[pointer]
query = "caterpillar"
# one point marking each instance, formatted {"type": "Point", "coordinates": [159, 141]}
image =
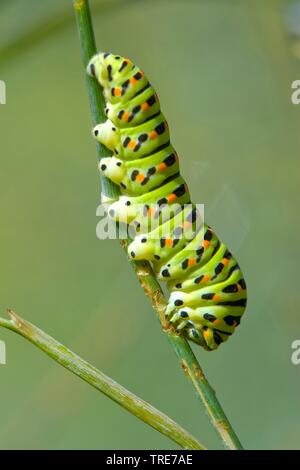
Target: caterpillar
{"type": "Point", "coordinates": [207, 288]}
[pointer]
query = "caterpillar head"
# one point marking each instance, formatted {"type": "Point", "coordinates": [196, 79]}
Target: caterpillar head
{"type": "Point", "coordinates": [113, 168]}
{"type": "Point", "coordinates": [107, 134]}
{"type": "Point", "coordinates": [141, 248]}
{"type": "Point", "coordinates": [105, 66]}
{"type": "Point", "coordinates": [123, 210]}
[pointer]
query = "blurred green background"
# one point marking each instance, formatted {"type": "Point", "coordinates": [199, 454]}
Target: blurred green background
{"type": "Point", "coordinates": [223, 70]}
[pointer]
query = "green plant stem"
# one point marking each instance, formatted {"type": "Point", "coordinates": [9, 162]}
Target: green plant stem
{"type": "Point", "coordinates": [101, 382]}
{"type": "Point", "coordinates": [143, 270]}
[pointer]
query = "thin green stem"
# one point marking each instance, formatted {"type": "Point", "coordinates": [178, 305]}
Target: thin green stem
{"type": "Point", "coordinates": [96, 100]}
{"type": "Point", "coordinates": [143, 270]}
{"type": "Point", "coordinates": [78, 366]}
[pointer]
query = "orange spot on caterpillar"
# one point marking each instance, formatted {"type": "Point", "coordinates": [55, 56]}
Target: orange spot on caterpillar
{"type": "Point", "coordinates": [216, 297]}
{"type": "Point", "coordinates": [153, 135]}
{"type": "Point", "coordinates": [118, 91]}
{"type": "Point", "coordinates": [205, 278]}
{"type": "Point", "coordinates": [192, 262]}
{"type": "Point", "coordinates": [145, 106]}
{"type": "Point", "coordinates": [169, 242]}
{"type": "Point", "coordinates": [151, 211]}
{"type": "Point", "coordinates": [125, 116]}
{"type": "Point", "coordinates": [187, 224]}
{"type": "Point", "coordinates": [206, 243]}
{"type": "Point", "coordinates": [161, 167]}
{"type": "Point", "coordinates": [132, 144]}
{"type": "Point", "coordinates": [225, 261]}
{"type": "Point", "coordinates": [133, 80]}
{"type": "Point", "coordinates": [140, 177]}
{"type": "Point", "coordinates": [172, 197]}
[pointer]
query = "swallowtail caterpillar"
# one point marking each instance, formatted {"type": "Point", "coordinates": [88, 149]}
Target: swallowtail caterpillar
{"type": "Point", "coordinates": [207, 289]}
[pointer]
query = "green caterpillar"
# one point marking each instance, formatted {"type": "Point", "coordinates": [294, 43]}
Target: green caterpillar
{"type": "Point", "coordinates": [207, 288]}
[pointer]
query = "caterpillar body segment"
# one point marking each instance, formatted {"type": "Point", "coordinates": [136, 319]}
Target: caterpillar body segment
{"type": "Point", "coordinates": [207, 288]}
{"type": "Point", "coordinates": [134, 142]}
{"type": "Point", "coordinates": [167, 239]}
{"type": "Point", "coordinates": [206, 274]}
{"type": "Point", "coordinates": [153, 207]}
{"type": "Point", "coordinates": [194, 255]}
{"type": "Point", "coordinates": [136, 111]}
{"type": "Point", "coordinates": [138, 177]}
